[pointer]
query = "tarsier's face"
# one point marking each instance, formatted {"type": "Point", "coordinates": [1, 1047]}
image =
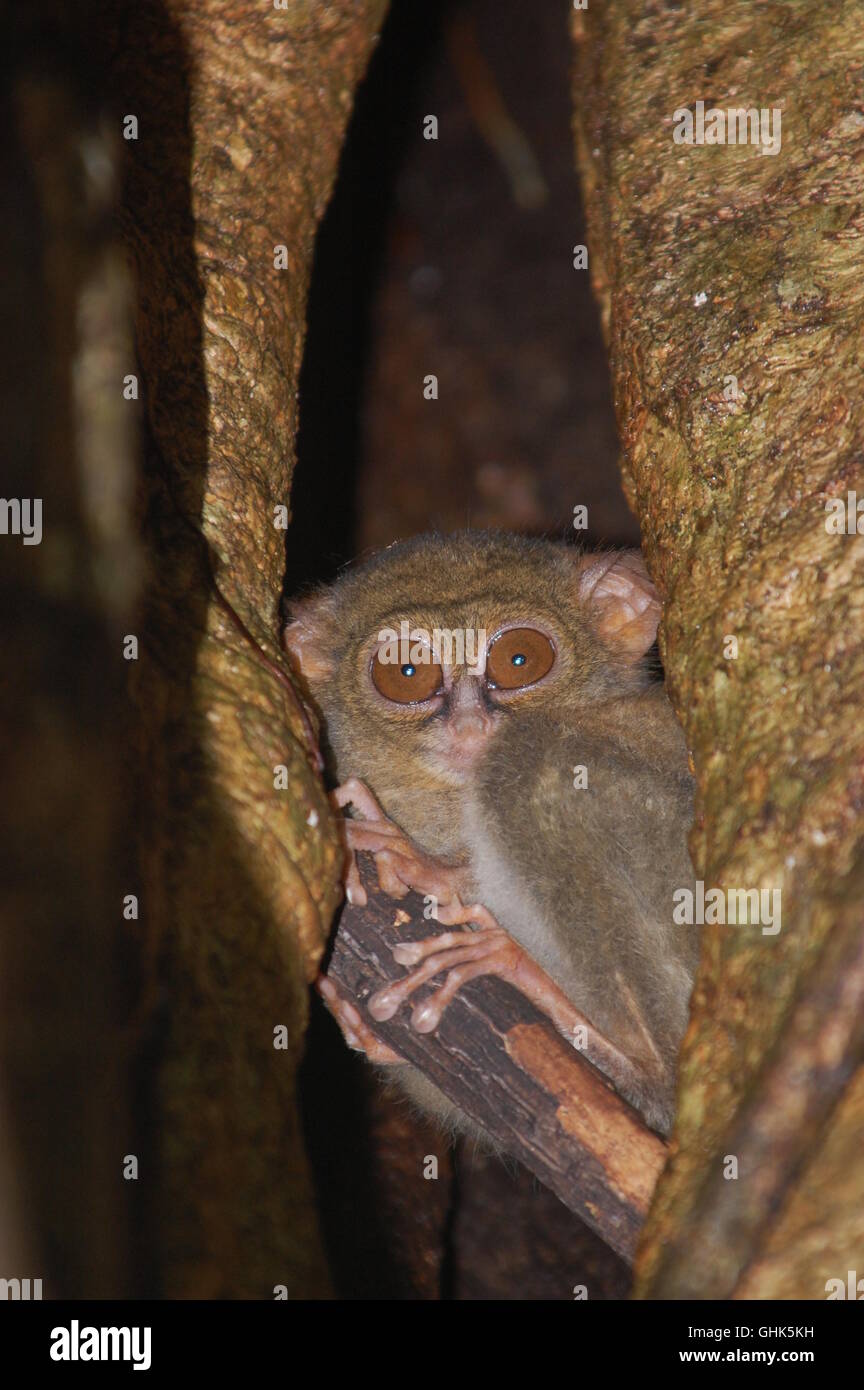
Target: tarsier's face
{"type": "Point", "coordinates": [453, 682]}
{"type": "Point", "coordinates": [419, 657]}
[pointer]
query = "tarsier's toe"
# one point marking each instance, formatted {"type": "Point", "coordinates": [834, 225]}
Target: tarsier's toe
{"type": "Point", "coordinates": [432, 957]}
{"type": "Point", "coordinates": [356, 1032]}
{"type": "Point", "coordinates": [388, 875]}
{"type": "Point", "coordinates": [413, 952]}
{"type": "Point", "coordinates": [383, 1005]}
{"type": "Point", "coordinates": [408, 953]}
{"type": "Point", "coordinates": [355, 893]}
{"type": "Point", "coordinates": [426, 1016]}
{"type": "Point", "coordinates": [458, 956]}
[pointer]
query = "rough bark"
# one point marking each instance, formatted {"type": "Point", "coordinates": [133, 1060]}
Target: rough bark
{"type": "Point", "coordinates": [241, 111]}
{"type": "Point", "coordinates": [714, 262]}
{"type": "Point", "coordinates": [504, 1065]}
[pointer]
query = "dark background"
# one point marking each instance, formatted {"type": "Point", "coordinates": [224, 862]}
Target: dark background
{"type": "Point", "coordinates": [428, 261]}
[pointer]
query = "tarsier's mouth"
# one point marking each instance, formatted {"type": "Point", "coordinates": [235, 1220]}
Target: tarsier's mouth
{"type": "Point", "coordinates": [456, 750]}
{"type": "Point", "coordinates": [460, 758]}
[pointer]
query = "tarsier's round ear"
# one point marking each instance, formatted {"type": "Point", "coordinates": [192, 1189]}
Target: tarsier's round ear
{"type": "Point", "coordinates": [624, 603]}
{"type": "Point", "coordinates": [307, 635]}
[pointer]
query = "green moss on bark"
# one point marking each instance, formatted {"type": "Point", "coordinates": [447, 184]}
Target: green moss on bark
{"type": "Point", "coordinates": [713, 263]}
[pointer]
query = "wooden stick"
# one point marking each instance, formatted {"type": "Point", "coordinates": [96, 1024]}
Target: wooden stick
{"type": "Point", "coordinates": [506, 1067]}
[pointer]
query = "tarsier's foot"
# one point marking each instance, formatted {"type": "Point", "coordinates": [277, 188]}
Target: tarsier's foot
{"type": "Point", "coordinates": [460, 956]}
{"type": "Point", "coordinates": [356, 1032]}
{"type": "Point", "coordinates": [489, 950]}
{"type": "Point", "coordinates": [401, 865]}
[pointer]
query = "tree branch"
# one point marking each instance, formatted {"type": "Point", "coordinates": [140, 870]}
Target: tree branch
{"type": "Point", "coordinates": [505, 1066]}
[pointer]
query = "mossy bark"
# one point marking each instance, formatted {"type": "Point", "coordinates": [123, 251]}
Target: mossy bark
{"type": "Point", "coordinates": [733, 302]}
{"type": "Point", "coordinates": [240, 115]}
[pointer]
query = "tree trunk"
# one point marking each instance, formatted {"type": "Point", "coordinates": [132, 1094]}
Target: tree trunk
{"type": "Point", "coordinates": [240, 114]}
{"type": "Point", "coordinates": [731, 292]}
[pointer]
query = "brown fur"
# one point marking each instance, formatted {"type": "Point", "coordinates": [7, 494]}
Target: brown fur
{"type": "Point", "coordinates": [583, 878]}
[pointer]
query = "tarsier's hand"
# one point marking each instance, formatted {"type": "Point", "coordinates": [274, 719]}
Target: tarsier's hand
{"type": "Point", "coordinates": [402, 866]}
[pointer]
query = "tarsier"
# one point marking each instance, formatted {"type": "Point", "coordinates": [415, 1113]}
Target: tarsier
{"type": "Point", "coordinates": [538, 789]}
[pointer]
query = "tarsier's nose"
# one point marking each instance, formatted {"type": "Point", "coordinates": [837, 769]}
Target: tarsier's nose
{"type": "Point", "coordinates": [471, 720]}
{"type": "Point", "coordinates": [470, 723]}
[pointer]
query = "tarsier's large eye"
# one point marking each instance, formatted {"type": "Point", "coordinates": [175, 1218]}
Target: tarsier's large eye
{"type": "Point", "coordinates": [520, 656]}
{"type": "Point", "coordinates": [406, 682]}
